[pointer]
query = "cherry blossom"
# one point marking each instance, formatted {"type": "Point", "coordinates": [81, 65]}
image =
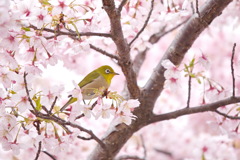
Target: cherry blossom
{"type": "Point", "coordinates": [21, 101]}
{"type": "Point", "coordinates": [6, 77]}
{"type": "Point", "coordinates": [60, 6]}
{"type": "Point", "coordinates": [104, 111]}
{"type": "Point", "coordinates": [40, 18]}
{"type": "Point", "coordinates": [172, 75]}
{"type": "Point", "coordinates": [203, 60]}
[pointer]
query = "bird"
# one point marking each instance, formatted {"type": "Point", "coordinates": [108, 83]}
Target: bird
{"type": "Point", "coordinates": [95, 80]}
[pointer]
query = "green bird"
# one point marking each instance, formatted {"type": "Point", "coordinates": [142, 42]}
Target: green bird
{"type": "Point", "coordinates": [99, 78]}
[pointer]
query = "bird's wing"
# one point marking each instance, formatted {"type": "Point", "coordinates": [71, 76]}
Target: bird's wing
{"type": "Point", "coordinates": [88, 79]}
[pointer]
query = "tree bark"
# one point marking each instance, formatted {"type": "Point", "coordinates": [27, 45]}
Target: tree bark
{"type": "Point", "coordinates": [116, 137]}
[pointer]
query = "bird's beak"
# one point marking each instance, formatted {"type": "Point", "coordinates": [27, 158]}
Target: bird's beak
{"type": "Point", "coordinates": [115, 73]}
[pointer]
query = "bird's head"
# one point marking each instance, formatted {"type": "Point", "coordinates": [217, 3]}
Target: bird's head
{"type": "Point", "coordinates": [107, 72]}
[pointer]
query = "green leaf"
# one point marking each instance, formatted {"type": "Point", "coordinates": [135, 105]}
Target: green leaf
{"type": "Point", "coordinates": [192, 75]}
{"type": "Point", "coordinates": [12, 92]}
{"type": "Point", "coordinates": [25, 28]}
{"type": "Point", "coordinates": [44, 2]}
{"type": "Point", "coordinates": [37, 101]}
{"type": "Point", "coordinates": [199, 80]}
{"type": "Point", "coordinates": [191, 65]}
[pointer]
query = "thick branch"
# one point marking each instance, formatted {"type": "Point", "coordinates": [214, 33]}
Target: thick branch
{"type": "Point", "coordinates": [122, 46]}
{"type": "Point", "coordinates": [115, 139]}
{"type": "Point", "coordinates": [186, 111]}
{"type": "Point", "coordinates": [181, 44]}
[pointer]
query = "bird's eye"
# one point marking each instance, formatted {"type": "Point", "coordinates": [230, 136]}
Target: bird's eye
{"type": "Point", "coordinates": [107, 71]}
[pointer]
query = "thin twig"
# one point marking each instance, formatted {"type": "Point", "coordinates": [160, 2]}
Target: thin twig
{"type": "Point", "coordinates": [120, 7]}
{"type": "Point", "coordinates": [197, 9]}
{"type": "Point", "coordinates": [100, 142]}
{"type": "Point", "coordinates": [39, 150]}
{"type": "Point", "coordinates": [104, 52]}
{"type": "Point", "coordinates": [189, 90]}
{"type": "Point", "coordinates": [232, 68]}
{"type": "Point", "coordinates": [53, 104]}
{"type": "Point", "coordinates": [192, 6]}
{"type": "Point", "coordinates": [167, 153]}
{"type": "Point", "coordinates": [58, 120]}
{"type": "Point", "coordinates": [157, 36]}
{"type": "Point", "coordinates": [57, 33]}
{"type": "Point", "coordinates": [84, 138]}
{"type": "Point", "coordinates": [50, 155]}
{"type": "Point", "coordinates": [145, 23]}
{"type": "Point", "coordinates": [227, 116]}
{"type": "Point", "coordinates": [27, 91]}
{"type": "Point", "coordinates": [67, 123]}
{"type": "Point", "coordinates": [37, 125]}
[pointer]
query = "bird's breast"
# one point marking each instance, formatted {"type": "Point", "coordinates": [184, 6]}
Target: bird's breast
{"type": "Point", "coordinates": [88, 91]}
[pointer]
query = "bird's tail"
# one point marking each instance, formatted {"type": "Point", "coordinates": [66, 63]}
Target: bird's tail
{"type": "Point", "coordinates": [70, 101]}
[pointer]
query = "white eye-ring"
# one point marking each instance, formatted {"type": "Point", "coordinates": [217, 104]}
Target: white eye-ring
{"type": "Point", "coordinates": [107, 71]}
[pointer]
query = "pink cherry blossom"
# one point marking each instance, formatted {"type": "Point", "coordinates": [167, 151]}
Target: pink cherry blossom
{"type": "Point", "coordinates": [21, 101]}
{"type": "Point", "coordinates": [171, 69]}
{"type": "Point", "coordinates": [172, 75]}
{"type": "Point", "coordinates": [10, 41]}
{"type": "Point", "coordinates": [203, 60]}
{"type": "Point", "coordinates": [6, 77]}
{"type": "Point", "coordinates": [103, 111]}
{"type": "Point", "coordinates": [40, 18]}
{"type": "Point", "coordinates": [60, 6]}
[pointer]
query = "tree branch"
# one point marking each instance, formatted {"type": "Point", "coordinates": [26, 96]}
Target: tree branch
{"type": "Point", "coordinates": [93, 136]}
{"type": "Point", "coordinates": [140, 57]}
{"type": "Point", "coordinates": [72, 33]}
{"type": "Point", "coordinates": [53, 104]}
{"type": "Point", "coordinates": [232, 69]}
{"type": "Point", "coordinates": [120, 7]}
{"type": "Point", "coordinates": [122, 47]}
{"type": "Point", "coordinates": [27, 92]}
{"type": "Point", "coordinates": [183, 41]}
{"type": "Point", "coordinates": [187, 111]}
{"type": "Point", "coordinates": [117, 137]}
{"type": "Point", "coordinates": [104, 52]}
{"type": "Point", "coordinates": [39, 150]}
{"type": "Point", "coordinates": [169, 154]}
{"type": "Point", "coordinates": [189, 91]}
{"type": "Point", "coordinates": [145, 23]}
{"type": "Point", "coordinates": [58, 120]}
{"type": "Point", "coordinates": [227, 116]}
{"type": "Point", "coordinates": [37, 125]}
{"type": "Point", "coordinates": [50, 155]}
{"type": "Point", "coordinates": [157, 36]}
